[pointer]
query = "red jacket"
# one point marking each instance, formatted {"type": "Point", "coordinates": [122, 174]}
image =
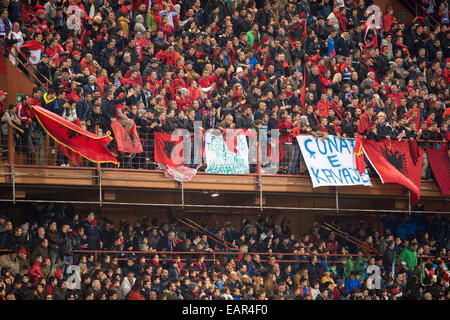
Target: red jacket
{"type": "Point", "coordinates": [365, 121]}
{"type": "Point", "coordinates": [323, 108]}
{"type": "Point", "coordinates": [24, 113]}
{"type": "Point", "coordinates": [336, 293]}
{"type": "Point", "coordinates": [397, 97]}
{"type": "Point", "coordinates": [36, 272]}
{"type": "Point", "coordinates": [182, 104]}
{"type": "Point", "coordinates": [283, 126]}
{"type": "Point", "coordinates": [35, 102]}
{"type": "Point", "coordinates": [84, 63]}
{"type": "Point", "coordinates": [194, 94]}
{"type": "Point", "coordinates": [388, 20]}
{"type": "Point", "coordinates": [135, 295]}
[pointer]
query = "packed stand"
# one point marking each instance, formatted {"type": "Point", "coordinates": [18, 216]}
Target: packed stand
{"type": "Point", "coordinates": [267, 262]}
{"type": "Point", "coordinates": [230, 64]}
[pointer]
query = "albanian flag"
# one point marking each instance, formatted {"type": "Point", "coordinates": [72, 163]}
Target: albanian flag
{"type": "Point", "coordinates": [440, 164]}
{"type": "Point", "coordinates": [393, 162]}
{"type": "Point", "coordinates": [359, 155]}
{"type": "Point", "coordinates": [69, 135]}
{"type": "Point", "coordinates": [297, 30]}
{"type": "Point", "coordinates": [73, 156]}
{"type": "Point", "coordinates": [127, 141]}
{"type": "Point", "coordinates": [169, 149]}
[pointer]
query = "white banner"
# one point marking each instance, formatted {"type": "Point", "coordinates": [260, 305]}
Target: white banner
{"type": "Point", "coordinates": [220, 160]}
{"type": "Point", "coordinates": [331, 162]}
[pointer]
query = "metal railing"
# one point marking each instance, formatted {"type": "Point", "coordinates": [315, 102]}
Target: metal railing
{"type": "Point", "coordinates": [30, 70]}
{"type": "Point", "coordinates": [415, 7]}
{"type": "Point", "coordinates": [38, 149]}
{"type": "Point", "coordinates": [212, 256]}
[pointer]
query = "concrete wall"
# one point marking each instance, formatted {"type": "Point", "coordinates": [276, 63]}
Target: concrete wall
{"type": "Point", "coordinates": [14, 81]}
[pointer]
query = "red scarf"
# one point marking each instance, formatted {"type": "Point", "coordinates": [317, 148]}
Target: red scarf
{"type": "Point", "coordinates": [137, 45]}
{"type": "Point", "coordinates": [195, 293]}
{"type": "Point", "coordinates": [32, 45]}
{"type": "Point", "coordinates": [404, 47]}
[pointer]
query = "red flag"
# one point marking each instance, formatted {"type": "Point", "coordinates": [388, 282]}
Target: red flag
{"type": "Point", "coordinates": [127, 141]}
{"type": "Point", "coordinates": [440, 164]}
{"type": "Point", "coordinates": [302, 96]}
{"type": "Point", "coordinates": [414, 150]}
{"type": "Point", "coordinates": [32, 45]}
{"type": "Point", "coordinates": [73, 156]}
{"type": "Point", "coordinates": [313, 59]}
{"type": "Point", "coordinates": [394, 164]}
{"type": "Point", "coordinates": [333, 53]}
{"type": "Point", "coordinates": [169, 149]}
{"type": "Point", "coordinates": [232, 142]}
{"type": "Point", "coordinates": [68, 134]}
{"type": "Point", "coordinates": [359, 155]}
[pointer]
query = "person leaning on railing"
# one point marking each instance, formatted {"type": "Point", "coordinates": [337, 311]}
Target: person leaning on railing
{"type": "Point", "coordinates": [10, 119]}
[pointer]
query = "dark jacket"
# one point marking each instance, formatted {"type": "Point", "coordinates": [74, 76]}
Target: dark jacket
{"type": "Point", "coordinates": [84, 110]}
{"type": "Point", "coordinates": [171, 123]}
{"type": "Point", "coordinates": [191, 296]}
{"type": "Point", "coordinates": [388, 259]}
{"type": "Point", "coordinates": [313, 272]}
{"type": "Point", "coordinates": [69, 242]}
{"type": "Point", "coordinates": [244, 122]}
{"type": "Point", "coordinates": [54, 241]}
{"type": "Point", "coordinates": [108, 110]}
{"type": "Point", "coordinates": [39, 251]}
{"type": "Point", "coordinates": [207, 122]}
{"type": "Point", "coordinates": [93, 235]}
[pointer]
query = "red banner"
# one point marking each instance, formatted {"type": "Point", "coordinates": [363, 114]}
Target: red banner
{"type": "Point", "coordinates": [393, 162]}
{"type": "Point", "coordinates": [68, 134]}
{"type": "Point", "coordinates": [440, 164]}
{"type": "Point", "coordinates": [169, 149]}
{"type": "Point", "coordinates": [73, 156]}
{"type": "Point", "coordinates": [127, 141]}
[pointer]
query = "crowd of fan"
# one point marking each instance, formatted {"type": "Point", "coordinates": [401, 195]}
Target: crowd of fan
{"type": "Point", "coordinates": [231, 64]}
{"type": "Point", "coordinates": [412, 259]}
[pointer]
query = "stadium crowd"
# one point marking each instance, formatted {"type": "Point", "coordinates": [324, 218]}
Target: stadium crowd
{"type": "Point", "coordinates": [302, 67]}
{"type": "Point", "coordinates": [42, 247]}
{"type": "Point", "coordinates": [229, 64]}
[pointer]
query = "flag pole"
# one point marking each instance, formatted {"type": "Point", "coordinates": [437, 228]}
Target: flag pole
{"type": "Point", "coordinates": [337, 200]}
{"type": "Point", "coordinates": [258, 171]}
{"type": "Point", "coordinates": [409, 201]}
{"type": "Point", "coordinates": [182, 193]}
{"type": "Point", "coordinates": [393, 266]}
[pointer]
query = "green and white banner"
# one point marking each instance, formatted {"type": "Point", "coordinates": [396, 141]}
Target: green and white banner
{"type": "Point", "coordinates": [220, 160]}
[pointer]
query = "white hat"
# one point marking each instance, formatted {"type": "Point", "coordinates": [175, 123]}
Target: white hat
{"type": "Point", "coordinates": [239, 69]}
